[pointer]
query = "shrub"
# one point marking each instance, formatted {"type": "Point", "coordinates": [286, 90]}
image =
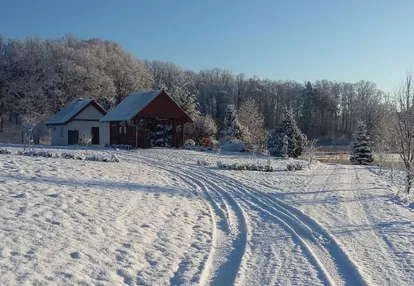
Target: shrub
{"type": "Point", "coordinates": [115, 158]}
{"type": "Point", "coordinates": [203, 163]}
{"type": "Point", "coordinates": [5, 152]}
{"type": "Point", "coordinates": [66, 155]}
{"type": "Point", "coordinates": [208, 142]}
{"type": "Point", "coordinates": [234, 146]}
{"type": "Point", "coordinates": [189, 142]}
{"type": "Point", "coordinates": [201, 128]}
{"type": "Point", "coordinates": [294, 167]}
{"type": "Point", "coordinates": [245, 167]}
{"type": "Point", "coordinates": [44, 154]}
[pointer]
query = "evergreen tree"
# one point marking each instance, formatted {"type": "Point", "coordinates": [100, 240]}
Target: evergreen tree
{"type": "Point", "coordinates": [232, 129]}
{"type": "Point", "coordinates": [361, 152]}
{"type": "Point", "coordinates": [296, 139]}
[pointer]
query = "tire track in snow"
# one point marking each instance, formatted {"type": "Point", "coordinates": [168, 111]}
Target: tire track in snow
{"type": "Point", "coordinates": [332, 263]}
{"type": "Point", "coordinates": [227, 251]}
{"type": "Point", "coordinates": [225, 273]}
{"type": "Point", "coordinates": [323, 250]}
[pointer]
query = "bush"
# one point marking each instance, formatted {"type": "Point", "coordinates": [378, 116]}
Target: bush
{"type": "Point", "coordinates": [203, 163]}
{"type": "Point", "coordinates": [234, 146]}
{"type": "Point", "coordinates": [245, 167]}
{"type": "Point", "coordinates": [115, 158]}
{"type": "Point", "coordinates": [5, 152]}
{"type": "Point", "coordinates": [122, 146]}
{"type": "Point", "coordinates": [294, 167]}
{"type": "Point", "coordinates": [189, 142]}
{"type": "Point", "coordinates": [66, 155]}
{"type": "Point", "coordinates": [201, 128]}
{"type": "Point", "coordinates": [208, 142]}
{"type": "Point", "coordinates": [44, 154]}
{"type": "Point", "coordinates": [96, 158]}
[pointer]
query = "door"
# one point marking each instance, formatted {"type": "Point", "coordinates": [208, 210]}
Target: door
{"type": "Point", "coordinates": [95, 135]}
{"type": "Point", "coordinates": [143, 141]}
{"type": "Point", "coordinates": [73, 137]}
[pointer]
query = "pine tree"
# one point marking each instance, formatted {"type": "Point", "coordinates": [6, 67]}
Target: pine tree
{"type": "Point", "coordinates": [232, 129]}
{"type": "Point", "coordinates": [296, 139]}
{"type": "Point", "coordinates": [361, 152]}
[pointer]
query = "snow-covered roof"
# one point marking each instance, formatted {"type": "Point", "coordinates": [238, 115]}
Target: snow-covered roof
{"type": "Point", "coordinates": [70, 111]}
{"type": "Point", "coordinates": [131, 105]}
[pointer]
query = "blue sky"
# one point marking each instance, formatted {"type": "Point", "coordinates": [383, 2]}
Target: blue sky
{"type": "Point", "coordinates": [347, 40]}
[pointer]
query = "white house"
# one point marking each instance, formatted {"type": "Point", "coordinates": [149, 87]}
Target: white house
{"type": "Point", "coordinates": [78, 120]}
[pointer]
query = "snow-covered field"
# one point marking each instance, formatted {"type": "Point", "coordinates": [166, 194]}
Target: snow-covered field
{"type": "Point", "coordinates": [158, 218]}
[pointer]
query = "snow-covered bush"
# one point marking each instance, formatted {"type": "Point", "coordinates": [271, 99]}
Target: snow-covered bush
{"type": "Point", "coordinates": [122, 146]}
{"type": "Point", "coordinates": [245, 167]}
{"type": "Point", "coordinates": [287, 138]}
{"type": "Point", "coordinates": [361, 152]}
{"type": "Point", "coordinates": [32, 153]}
{"type": "Point", "coordinates": [115, 158]}
{"type": "Point", "coordinates": [294, 167]}
{"type": "Point", "coordinates": [96, 158]}
{"type": "Point", "coordinates": [203, 163]}
{"type": "Point", "coordinates": [5, 152]}
{"type": "Point", "coordinates": [234, 146]}
{"type": "Point", "coordinates": [202, 127]}
{"type": "Point", "coordinates": [189, 142]}
{"type": "Point", "coordinates": [67, 155]}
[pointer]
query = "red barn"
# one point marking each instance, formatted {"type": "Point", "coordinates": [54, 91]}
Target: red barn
{"type": "Point", "coordinates": [147, 119]}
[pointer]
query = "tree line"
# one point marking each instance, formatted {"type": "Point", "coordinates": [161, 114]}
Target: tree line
{"type": "Point", "coordinates": [38, 77]}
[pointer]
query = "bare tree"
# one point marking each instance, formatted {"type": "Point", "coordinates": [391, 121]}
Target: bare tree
{"type": "Point", "coordinates": [86, 140]}
{"type": "Point", "coordinates": [30, 120]}
{"type": "Point", "coordinates": [404, 125]}
{"type": "Point", "coordinates": [311, 149]}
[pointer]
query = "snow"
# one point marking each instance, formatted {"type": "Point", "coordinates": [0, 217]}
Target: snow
{"type": "Point", "coordinates": [131, 105]}
{"type": "Point", "coordinates": [159, 218]}
{"type": "Point", "coordinates": [68, 112]}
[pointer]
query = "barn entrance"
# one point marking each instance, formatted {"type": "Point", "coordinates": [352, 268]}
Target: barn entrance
{"type": "Point", "coordinates": [73, 137]}
{"type": "Point", "coordinates": [160, 132]}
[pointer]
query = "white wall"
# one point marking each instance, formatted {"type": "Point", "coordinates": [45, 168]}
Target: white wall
{"type": "Point", "coordinates": [85, 127]}
{"type": "Point", "coordinates": [90, 113]}
{"type": "Point", "coordinates": [59, 135]}
{"type": "Point", "coordinates": [83, 122]}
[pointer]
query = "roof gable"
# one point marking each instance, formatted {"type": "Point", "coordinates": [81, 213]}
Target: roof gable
{"type": "Point", "coordinates": [163, 106]}
{"type": "Point", "coordinates": [136, 104]}
{"type": "Point", "coordinates": [72, 110]}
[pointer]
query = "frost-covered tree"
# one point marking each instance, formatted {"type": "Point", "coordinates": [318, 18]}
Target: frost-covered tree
{"type": "Point", "coordinates": [177, 82]}
{"type": "Point", "coordinates": [361, 151]}
{"type": "Point", "coordinates": [287, 130]}
{"type": "Point", "coordinates": [404, 126]}
{"type": "Point", "coordinates": [251, 118]}
{"type": "Point", "coordinates": [232, 128]}
{"type": "Point", "coordinates": [203, 128]}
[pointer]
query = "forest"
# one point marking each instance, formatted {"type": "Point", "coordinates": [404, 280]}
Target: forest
{"type": "Point", "coordinates": [38, 77]}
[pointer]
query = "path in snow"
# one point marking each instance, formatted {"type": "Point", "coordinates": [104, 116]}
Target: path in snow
{"type": "Point", "coordinates": [356, 208]}
{"type": "Point", "coordinates": [227, 196]}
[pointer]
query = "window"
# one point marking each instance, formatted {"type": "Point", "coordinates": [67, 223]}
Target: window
{"type": "Point", "coordinates": [141, 124]}
{"type": "Point", "coordinates": [61, 132]}
{"type": "Point", "coordinates": [122, 130]}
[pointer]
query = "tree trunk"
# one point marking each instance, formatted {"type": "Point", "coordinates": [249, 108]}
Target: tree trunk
{"type": "Point", "coordinates": [409, 180]}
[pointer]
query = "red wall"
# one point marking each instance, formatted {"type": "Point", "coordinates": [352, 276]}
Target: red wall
{"type": "Point", "coordinates": [163, 106]}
